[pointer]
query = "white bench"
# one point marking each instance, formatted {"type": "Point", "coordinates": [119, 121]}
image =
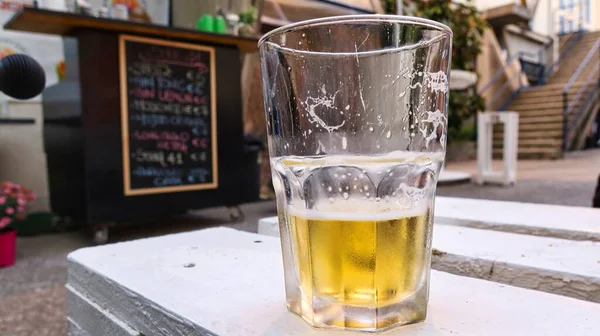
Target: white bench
{"type": "Point", "coordinates": [577, 223]}
{"type": "Point", "coordinates": [560, 266]}
{"type": "Point", "coordinates": [86, 318]}
{"type": "Point", "coordinates": [226, 282]}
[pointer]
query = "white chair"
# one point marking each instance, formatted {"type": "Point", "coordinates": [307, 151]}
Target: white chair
{"type": "Point", "coordinates": [485, 123]}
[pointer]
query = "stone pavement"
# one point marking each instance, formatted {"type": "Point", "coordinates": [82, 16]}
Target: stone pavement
{"type": "Point", "coordinates": [32, 295]}
{"type": "Point", "coordinates": [576, 166]}
{"type": "Point", "coordinates": [570, 181]}
{"type": "Point", "coordinates": [573, 193]}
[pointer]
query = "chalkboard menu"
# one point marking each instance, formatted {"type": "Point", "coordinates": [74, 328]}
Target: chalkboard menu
{"type": "Point", "coordinates": [168, 116]}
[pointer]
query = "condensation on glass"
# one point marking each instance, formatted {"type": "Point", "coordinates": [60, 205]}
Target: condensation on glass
{"type": "Point", "coordinates": [356, 111]}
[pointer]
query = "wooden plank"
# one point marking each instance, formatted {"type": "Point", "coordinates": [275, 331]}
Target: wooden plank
{"type": "Point", "coordinates": [235, 287]}
{"type": "Point", "coordinates": [89, 317]}
{"type": "Point", "coordinates": [35, 20]}
{"type": "Point", "coordinates": [558, 266]}
{"type": "Point", "coordinates": [73, 329]}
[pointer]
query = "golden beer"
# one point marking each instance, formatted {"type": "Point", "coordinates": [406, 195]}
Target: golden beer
{"type": "Point", "coordinates": [372, 261]}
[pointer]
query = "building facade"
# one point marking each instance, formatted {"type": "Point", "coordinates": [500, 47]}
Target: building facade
{"type": "Point", "coordinates": [565, 16]}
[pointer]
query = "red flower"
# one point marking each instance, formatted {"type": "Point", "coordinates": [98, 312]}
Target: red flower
{"type": "Point", "coordinates": [13, 202]}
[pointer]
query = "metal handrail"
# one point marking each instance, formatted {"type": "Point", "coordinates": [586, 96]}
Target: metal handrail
{"type": "Point", "coordinates": [580, 92]}
{"type": "Point", "coordinates": [505, 86]}
{"type": "Point", "coordinates": [497, 75]}
{"type": "Point", "coordinates": [568, 107]}
{"type": "Point", "coordinates": [510, 61]}
{"type": "Point", "coordinates": [562, 54]}
{"type": "Point", "coordinates": [581, 66]}
{"type": "Point", "coordinates": [569, 124]}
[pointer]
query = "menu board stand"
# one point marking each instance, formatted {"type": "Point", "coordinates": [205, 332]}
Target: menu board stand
{"type": "Point", "coordinates": [119, 152]}
{"type": "Point", "coordinates": [168, 119]}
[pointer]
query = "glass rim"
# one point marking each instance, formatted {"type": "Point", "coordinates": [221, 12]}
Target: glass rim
{"type": "Point", "coordinates": [405, 19]}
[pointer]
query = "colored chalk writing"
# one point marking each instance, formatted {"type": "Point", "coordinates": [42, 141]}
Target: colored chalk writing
{"type": "Point", "coordinates": [168, 116]}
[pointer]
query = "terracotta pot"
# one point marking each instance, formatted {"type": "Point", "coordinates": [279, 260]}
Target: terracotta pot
{"type": "Point", "coordinates": [8, 245]}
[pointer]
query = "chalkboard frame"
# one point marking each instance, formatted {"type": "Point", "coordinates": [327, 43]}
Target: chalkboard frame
{"type": "Point", "coordinates": [128, 191]}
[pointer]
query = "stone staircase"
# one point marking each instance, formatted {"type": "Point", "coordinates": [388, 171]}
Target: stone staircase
{"type": "Point", "coordinates": [541, 108]}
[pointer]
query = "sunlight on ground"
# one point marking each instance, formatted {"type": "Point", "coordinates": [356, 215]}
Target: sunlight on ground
{"type": "Point", "coordinates": [576, 166]}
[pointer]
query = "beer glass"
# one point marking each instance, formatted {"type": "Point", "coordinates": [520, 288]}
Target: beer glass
{"type": "Point", "coordinates": [356, 111]}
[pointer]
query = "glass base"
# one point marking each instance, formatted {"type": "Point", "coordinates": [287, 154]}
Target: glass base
{"type": "Point", "coordinates": [335, 316]}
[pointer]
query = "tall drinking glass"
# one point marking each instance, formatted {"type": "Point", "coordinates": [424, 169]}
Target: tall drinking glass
{"type": "Point", "coordinates": [356, 118]}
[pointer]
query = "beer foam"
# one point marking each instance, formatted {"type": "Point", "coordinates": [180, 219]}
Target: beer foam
{"type": "Point", "coordinates": [355, 210]}
{"type": "Point", "coordinates": [398, 157]}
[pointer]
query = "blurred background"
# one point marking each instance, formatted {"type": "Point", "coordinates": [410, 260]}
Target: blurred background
{"type": "Point", "coordinates": [61, 169]}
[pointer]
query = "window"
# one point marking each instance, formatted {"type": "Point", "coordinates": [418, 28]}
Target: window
{"type": "Point", "coordinates": [587, 11]}
{"type": "Point", "coordinates": [571, 26]}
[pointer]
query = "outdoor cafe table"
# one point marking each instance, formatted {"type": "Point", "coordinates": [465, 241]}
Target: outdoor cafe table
{"type": "Point", "coordinates": [222, 281]}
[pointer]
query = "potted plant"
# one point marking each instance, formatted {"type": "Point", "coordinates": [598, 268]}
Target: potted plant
{"type": "Point", "coordinates": [13, 205]}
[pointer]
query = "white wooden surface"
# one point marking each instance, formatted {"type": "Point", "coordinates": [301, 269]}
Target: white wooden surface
{"type": "Point", "coordinates": [73, 329]}
{"type": "Point", "coordinates": [559, 266]}
{"type": "Point", "coordinates": [226, 282]}
{"type": "Point", "coordinates": [577, 223]}
{"type": "Point", "coordinates": [88, 317]}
